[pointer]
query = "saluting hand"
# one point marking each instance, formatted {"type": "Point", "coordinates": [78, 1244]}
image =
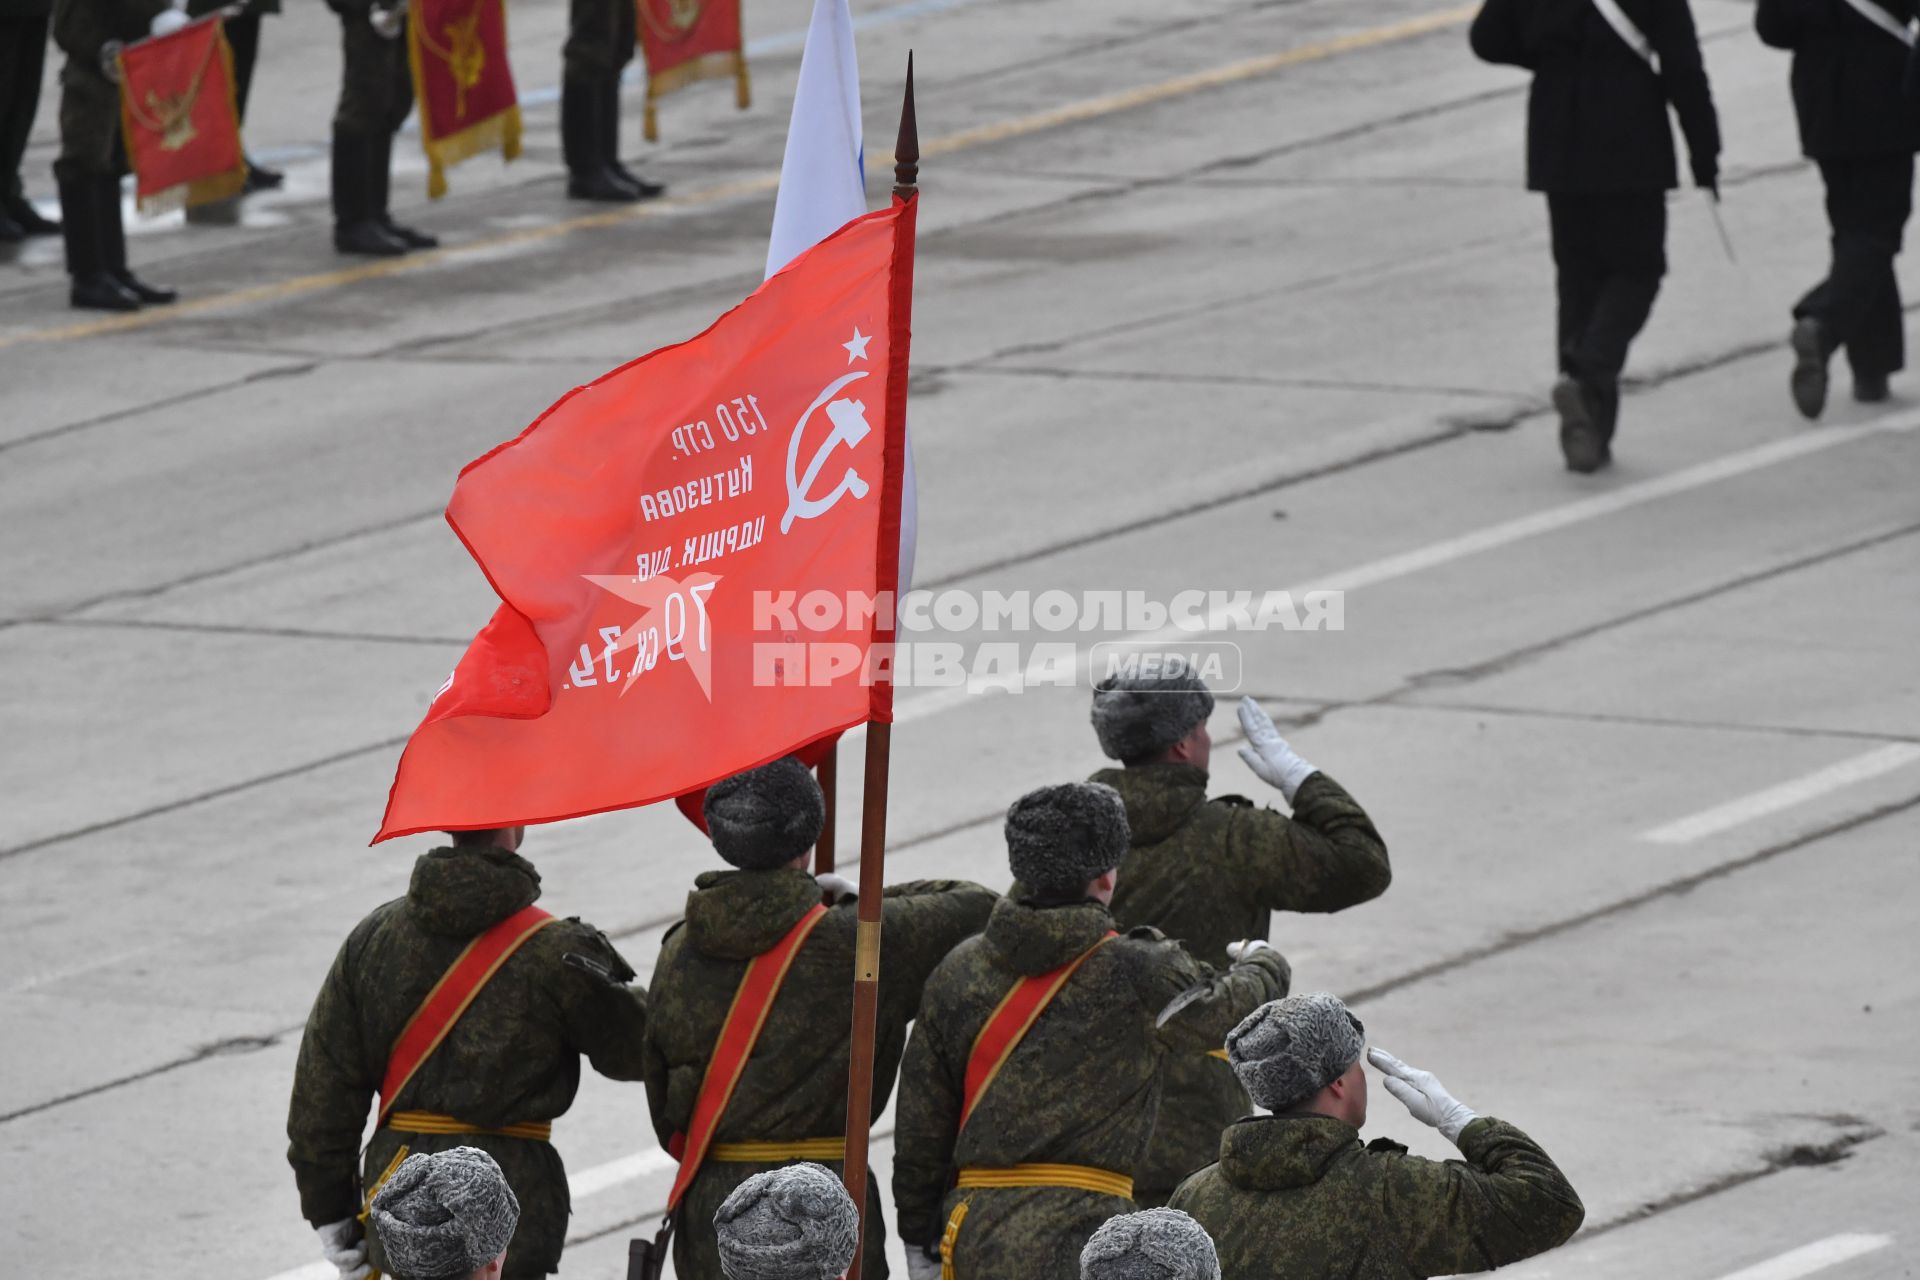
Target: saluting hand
{"type": "Point", "coordinates": [1423, 1095]}
{"type": "Point", "coordinates": [1267, 753]}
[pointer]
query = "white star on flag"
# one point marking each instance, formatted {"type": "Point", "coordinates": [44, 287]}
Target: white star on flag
{"type": "Point", "coordinates": [857, 349]}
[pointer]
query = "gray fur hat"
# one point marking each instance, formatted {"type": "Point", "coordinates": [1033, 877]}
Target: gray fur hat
{"type": "Point", "coordinates": [444, 1214]}
{"type": "Point", "coordinates": [1288, 1050]}
{"type": "Point", "coordinates": [766, 817]}
{"type": "Point", "coordinates": [1154, 1244]}
{"type": "Point", "coordinates": [1136, 716]}
{"type": "Point", "coordinates": [1058, 838]}
{"type": "Point", "coordinates": [792, 1223]}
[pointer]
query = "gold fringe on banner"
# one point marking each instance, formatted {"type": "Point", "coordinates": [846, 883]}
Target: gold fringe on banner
{"type": "Point", "coordinates": [710, 66]}
{"type": "Point", "coordinates": [217, 186]}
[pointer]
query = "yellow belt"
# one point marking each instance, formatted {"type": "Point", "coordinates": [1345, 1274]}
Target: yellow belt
{"type": "Point", "coordinates": [428, 1122]}
{"type": "Point", "coordinates": [775, 1152]}
{"type": "Point", "coordinates": [1077, 1177]}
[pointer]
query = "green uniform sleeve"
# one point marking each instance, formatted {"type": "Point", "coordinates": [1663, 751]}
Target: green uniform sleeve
{"type": "Point", "coordinates": [927, 1124]}
{"type": "Point", "coordinates": [334, 1082]}
{"type": "Point", "coordinates": [605, 1018]}
{"type": "Point", "coordinates": [1218, 1000]}
{"type": "Point", "coordinates": [1326, 857]}
{"type": "Point", "coordinates": [1506, 1201]}
{"type": "Point", "coordinates": [921, 921]}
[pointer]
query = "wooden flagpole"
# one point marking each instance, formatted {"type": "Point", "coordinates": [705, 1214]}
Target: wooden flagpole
{"type": "Point", "coordinates": [873, 838]}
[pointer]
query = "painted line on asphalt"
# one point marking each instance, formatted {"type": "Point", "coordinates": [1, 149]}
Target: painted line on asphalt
{"type": "Point", "coordinates": [1491, 538]}
{"type": "Point", "coordinates": [1771, 800]}
{"type": "Point", "coordinates": [1002, 131]}
{"type": "Point", "coordinates": [1809, 1259]}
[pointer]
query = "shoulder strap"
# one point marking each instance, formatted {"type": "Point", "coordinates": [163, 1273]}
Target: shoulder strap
{"type": "Point", "coordinates": [1624, 27]}
{"type": "Point", "coordinates": [738, 1034]}
{"type": "Point", "coordinates": [451, 995]}
{"type": "Point", "coordinates": [1882, 19]}
{"type": "Point", "coordinates": [1009, 1023]}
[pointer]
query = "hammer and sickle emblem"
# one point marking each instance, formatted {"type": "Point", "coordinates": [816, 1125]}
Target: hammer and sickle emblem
{"type": "Point", "coordinates": [849, 418]}
{"type": "Point", "coordinates": [685, 12]}
{"type": "Point", "coordinates": [469, 57]}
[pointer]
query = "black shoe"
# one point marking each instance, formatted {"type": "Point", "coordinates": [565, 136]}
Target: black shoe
{"type": "Point", "coordinates": [648, 190]}
{"type": "Point", "coordinates": [601, 184]}
{"type": "Point", "coordinates": [1809, 380]}
{"type": "Point", "coordinates": [1580, 440]}
{"type": "Point", "coordinates": [261, 178]}
{"type": "Point", "coordinates": [22, 214]}
{"type": "Point", "coordinates": [101, 293]}
{"type": "Point", "coordinates": [412, 237]}
{"type": "Point", "coordinates": [1870, 388]}
{"type": "Point", "coordinates": [11, 232]}
{"type": "Point", "coordinates": [369, 239]}
{"type": "Point", "coordinates": [142, 290]}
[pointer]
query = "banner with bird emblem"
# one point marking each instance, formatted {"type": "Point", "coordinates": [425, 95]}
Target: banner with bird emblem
{"type": "Point", "coordinates": [687, 40]}
{"type": "Point", "coordinates": [462, 83]}
{"type": "Point", "coordinates": [179, 120]}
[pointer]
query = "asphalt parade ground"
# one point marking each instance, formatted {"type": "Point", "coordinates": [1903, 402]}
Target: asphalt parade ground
{"type": "Point", "coordinates": [1211, 295]}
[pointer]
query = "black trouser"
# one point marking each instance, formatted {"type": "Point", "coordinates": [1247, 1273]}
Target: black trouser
{"type": "Point", "coordinates": [376, 84]}
{"type": "Point", "coordinates": [600, 35]}
{"type": "Point", "coordinates": [23, 53]}
{"type": "Point", "coordinates": [1609, 251]}
{"type": "Point", "coordinates": [1858, 304]}
{"type": "Point", "coordinates": [243, 37]}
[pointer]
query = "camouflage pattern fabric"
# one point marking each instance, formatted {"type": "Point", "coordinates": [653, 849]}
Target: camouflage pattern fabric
{"type": "Point", "coordinates": [1080, 1089]}
{"type": "Point", "coordinates": [795, 1085]}
{"type": "Point", "coordinates": [514, 1055]}
{"type": "Point", "coordinates": [1298, 1197]}
{"type": "Point", "coordinates": [1209, 872]}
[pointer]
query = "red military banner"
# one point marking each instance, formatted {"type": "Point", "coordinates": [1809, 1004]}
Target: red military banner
{"type": "Point", "coordinates": [682, 41]}
{"type": "Point", "coordinates": [462, 83]}
{"type": "Point", "coordinates": [178, 118]}
{"type": "Point", "coordinates": [694, 554]}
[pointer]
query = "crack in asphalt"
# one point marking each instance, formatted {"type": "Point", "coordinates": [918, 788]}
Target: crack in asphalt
{"type": "Point", "coordinates": [294, 370]}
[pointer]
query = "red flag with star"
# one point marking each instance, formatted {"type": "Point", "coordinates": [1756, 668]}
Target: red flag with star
{"type": "Point", "coordinates": [688, 552]}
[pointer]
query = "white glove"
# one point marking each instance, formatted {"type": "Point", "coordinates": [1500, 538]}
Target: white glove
{"type": "Point", "coordinates": [110, 60]}
{"type": "Point", "coordinates": [1267, 753]}
{"type": "Point", "coordinates": [1241, 950]}
{"type": "Point", "coordinates": [344, 1245]}
{"type": "Point", "coordinates": [166, 22]}
{"type": "Point", "coordinates": [1422, 1095]}
{"type": "Point", "coordinates": [920, 1266]}
{"type": "Point", "coordinates": [837, 888]}
{"type": "Point", "coordinates": [386, 22]}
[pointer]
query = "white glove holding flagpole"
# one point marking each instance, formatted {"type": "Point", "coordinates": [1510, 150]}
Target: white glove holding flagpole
{"type": "Point", "coordinates": [344, 1244]}
{"type": "Point", "coordinates": [1267, 753]}
{"type": "Point", "coordinates": [166, 22]}
{"type": "Point", "coordinates": [837, 888]}
{"type": "Point", "coordinates": [386, 21]}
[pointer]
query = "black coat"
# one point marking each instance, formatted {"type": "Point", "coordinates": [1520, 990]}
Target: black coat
{"type": "Point", "coordinates": [1846, 76]}
{"type": "Point", "coordinates": [1597, 116]}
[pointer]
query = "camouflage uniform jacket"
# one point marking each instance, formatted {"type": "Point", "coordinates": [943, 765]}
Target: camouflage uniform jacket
{"type": "Point", "coordinates": [1298, 1198]}
{"type": "Point", "coordinates": [1209, 872]}
{"type": "Point", "coordinates": [513, 1056]}
{"type": "Point", "coordinates": [795, 1085]}
{"type": "Point", "coordinates": [1080, 1089]}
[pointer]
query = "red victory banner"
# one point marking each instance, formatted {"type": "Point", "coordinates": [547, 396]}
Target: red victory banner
{"type": "Point", "coordinates": [651, 538]}
{"type": "Point", "coordinates": [683, 41]}
{"type": "Point", "coordinates": [178, 118]}
{"type": "Point", "coordinates": [462, 83]}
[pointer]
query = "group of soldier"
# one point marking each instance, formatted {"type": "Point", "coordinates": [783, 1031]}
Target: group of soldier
{"type": "Point", "coordinates": [376, 95]}
{"type": "Point", "coordinates": [1092, 1043]}
{"type": "Point", "coordinates": [1600, 147]}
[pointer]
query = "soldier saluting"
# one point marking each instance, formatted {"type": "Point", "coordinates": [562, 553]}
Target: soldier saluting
{"type": "Point", "coordinates": [1029, 1088]}
{"type": "Point", "coordinates": [466, 1009]}
{"type": "Point", "coordinates": [1207, 872]}
{"type": "Point", "coordinates": [1599, 146]}
{"type": "Point", "coordinates": [1849, 57]}
{"type": "Point", "coordinates": [763, 947]}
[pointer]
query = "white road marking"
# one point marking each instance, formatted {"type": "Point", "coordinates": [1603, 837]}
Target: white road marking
{"type": "Point", "coordinates": [1810, 1258]}
{"type": "Point", "coordinates": [1491, 538]}
{"type": "Point", "coordinates": [1724, 817]}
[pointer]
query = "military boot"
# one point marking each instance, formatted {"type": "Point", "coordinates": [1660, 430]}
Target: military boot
{"type": "Point", "coordinates": [1581, 441]}
{"type": "Point", "coordinates": [581, 126]}
{"type": "Point", "coordinates": [1809, 379]}
{"type": "Point", "coordinates": [355, 228]}
{"type": "Point", "coordinates": [380, 175]}
{"type": "Point", "coordinates": [93, 289]}
{"type": "Point", "coordinates": [113, 248]}
{"type": "Point", "coordinates": [608, 100]}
